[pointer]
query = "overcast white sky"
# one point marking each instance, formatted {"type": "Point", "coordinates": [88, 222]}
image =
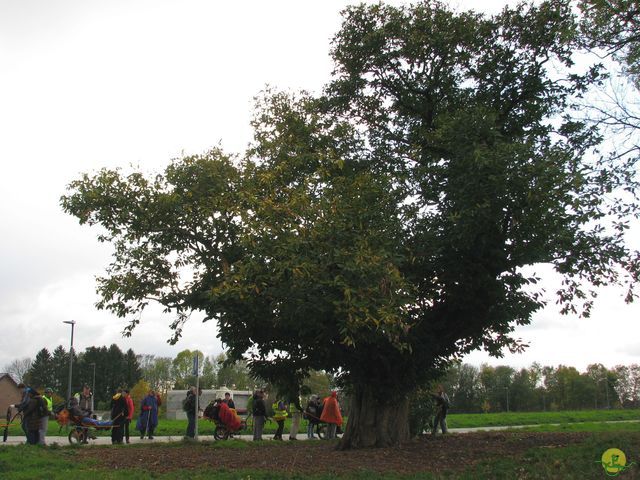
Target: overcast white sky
{"type": "Point", "coordinates": [87, 84]}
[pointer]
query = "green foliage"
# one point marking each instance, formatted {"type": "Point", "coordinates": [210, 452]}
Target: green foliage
{"type": "Point", "coordinates": [138, 392]}
{"type": "Point", "coordinates": [318, 383]}
{"type": "Point", "coordinates": [114, 369]}
{"type": "Point", "coordinates": [233, 374]}
{"type": "Point", "coordinates": [479, 420]}
{"type": "Point", "coordinates": [41, 373]}
{"type": "Point", "coordinates": [158, 372]}
{"type": "Point", "coordinates": [182, 368]}
{"type": "Point", "coordinates": [578, 461]}
{"type": "Point", "coordinates": [421, 413]}
{"type": "Point", "coordinates": [613, 25]}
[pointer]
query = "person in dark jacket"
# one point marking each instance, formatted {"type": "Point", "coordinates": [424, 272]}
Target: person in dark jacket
{"type": "Point", "coordinates": [312, 414]}
{"type": "Point", "coordinates": [189, 407]}
{"type": "Point", "coordinates": [85, 400]}
{"type": "Point", "coordinates": [442, 406]}
{"type": "Point", "coordinates": [228, 400]}
{"type": "Point", "coordinates": [32, 417]}
{"type": "Point", "coordinates": [119, 414]}
{"type": "Point", "coordinates": [259, 414]}
{"type": "Point", "coordinates": [26, 397]}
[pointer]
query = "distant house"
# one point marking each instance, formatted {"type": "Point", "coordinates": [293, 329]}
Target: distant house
{"type": "Point", "coordinates": [10, 394]}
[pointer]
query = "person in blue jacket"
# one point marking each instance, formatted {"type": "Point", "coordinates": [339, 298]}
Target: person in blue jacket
{"type": "Point", "coordinates": [148, 419]}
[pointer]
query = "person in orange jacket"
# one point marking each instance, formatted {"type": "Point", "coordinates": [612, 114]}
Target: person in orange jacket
{"type": "Point", "coordinates": [331, 414]}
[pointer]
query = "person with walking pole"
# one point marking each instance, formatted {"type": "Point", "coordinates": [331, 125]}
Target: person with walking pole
{"type": "Point", "coordinates": [148, 419]}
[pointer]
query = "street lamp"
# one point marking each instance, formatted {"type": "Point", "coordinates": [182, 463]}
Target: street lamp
{"type": "Point", "coordinates": [72, 323]}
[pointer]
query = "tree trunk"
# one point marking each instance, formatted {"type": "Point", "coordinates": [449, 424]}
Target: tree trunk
{"type": "Point", "coordinates": [374, 422]}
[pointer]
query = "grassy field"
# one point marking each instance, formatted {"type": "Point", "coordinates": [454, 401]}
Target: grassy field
{"type": "Point", "coordinates": [575, 461]}
{"type": "Point", "coordinates": [461, 420]}
{"type": "Point", "coordinates": [582, 427]}
{"type": "Point", "coordinates": [475, 420]}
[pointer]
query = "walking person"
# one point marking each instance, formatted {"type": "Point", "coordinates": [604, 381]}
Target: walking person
{"type": "Point", "coordinates": [279, 415]}
{"type": "Point", "coordinates": [119, 413]}
{"type": "Point", "coordinates": [47, 398]}
{"type": "Point", "coordinates": [259, 410]}
{"type": "Point", "coordinates": [148, 419]}
{"type": "Point", "coordinates": [312, 414]}
{"type": "Point", "coordinates": [130, 410]}
{"type": "Point", "coordinates": [442, 406]}
{"type": "Point", "coordinates": [331, 414]}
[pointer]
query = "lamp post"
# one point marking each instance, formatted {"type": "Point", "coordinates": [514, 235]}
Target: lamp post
{"type": "Point", "coordinates": [72, 323]}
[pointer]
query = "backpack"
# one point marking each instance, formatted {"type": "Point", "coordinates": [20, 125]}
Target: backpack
{"type": "Point", "coordinates": [188, 403]}
{"type": "Point", "coordinates": [212, 411]}
{"type": "Point", "coordinates": [43, 410]}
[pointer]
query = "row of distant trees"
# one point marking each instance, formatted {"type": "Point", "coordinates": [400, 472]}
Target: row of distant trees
{"type": "Point", "coordinates": [501, 388]}
{"type": "Point", "coordinates": [116, 369]}
{"type": "Point", "coordinates": [108, 368]}
{"type": "Point", "coordinates": [471, 388]}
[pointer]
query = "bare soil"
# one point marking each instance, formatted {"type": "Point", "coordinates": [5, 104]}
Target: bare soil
{"type": "Point", "coordinates": [444, 453]}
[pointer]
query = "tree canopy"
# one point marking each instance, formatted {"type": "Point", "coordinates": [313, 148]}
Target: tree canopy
{"type": "Point", "coordinates": [382, 228]}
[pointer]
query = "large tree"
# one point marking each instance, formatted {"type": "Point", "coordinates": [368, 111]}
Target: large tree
{"type": "Point", "coordinates": [381, 229]}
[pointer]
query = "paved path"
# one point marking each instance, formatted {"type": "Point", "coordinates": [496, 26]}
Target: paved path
{"type": "Point", "coordinates": [106, 440]}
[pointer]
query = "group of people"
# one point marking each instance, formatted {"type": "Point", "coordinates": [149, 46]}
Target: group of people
{"type": "Point", "coordinates": [223, 410]}
{"type": "Point", "coordinates": [37, 409]}
{"type": "Point", "coordinates": [316, 412]}
{"type": "Point", "coordinates": [122, 411]}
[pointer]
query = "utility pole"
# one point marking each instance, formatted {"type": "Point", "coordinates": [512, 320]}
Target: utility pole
{"type": "Point", "coordinates": [72, 323]}
{"type": "Point", "coordinates": [196, 371]}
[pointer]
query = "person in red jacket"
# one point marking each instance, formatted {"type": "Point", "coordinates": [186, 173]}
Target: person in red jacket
{"type": "Point", "coordinates": [130, 408]}
{"type": "Point", "coordinates": [331, 414]}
